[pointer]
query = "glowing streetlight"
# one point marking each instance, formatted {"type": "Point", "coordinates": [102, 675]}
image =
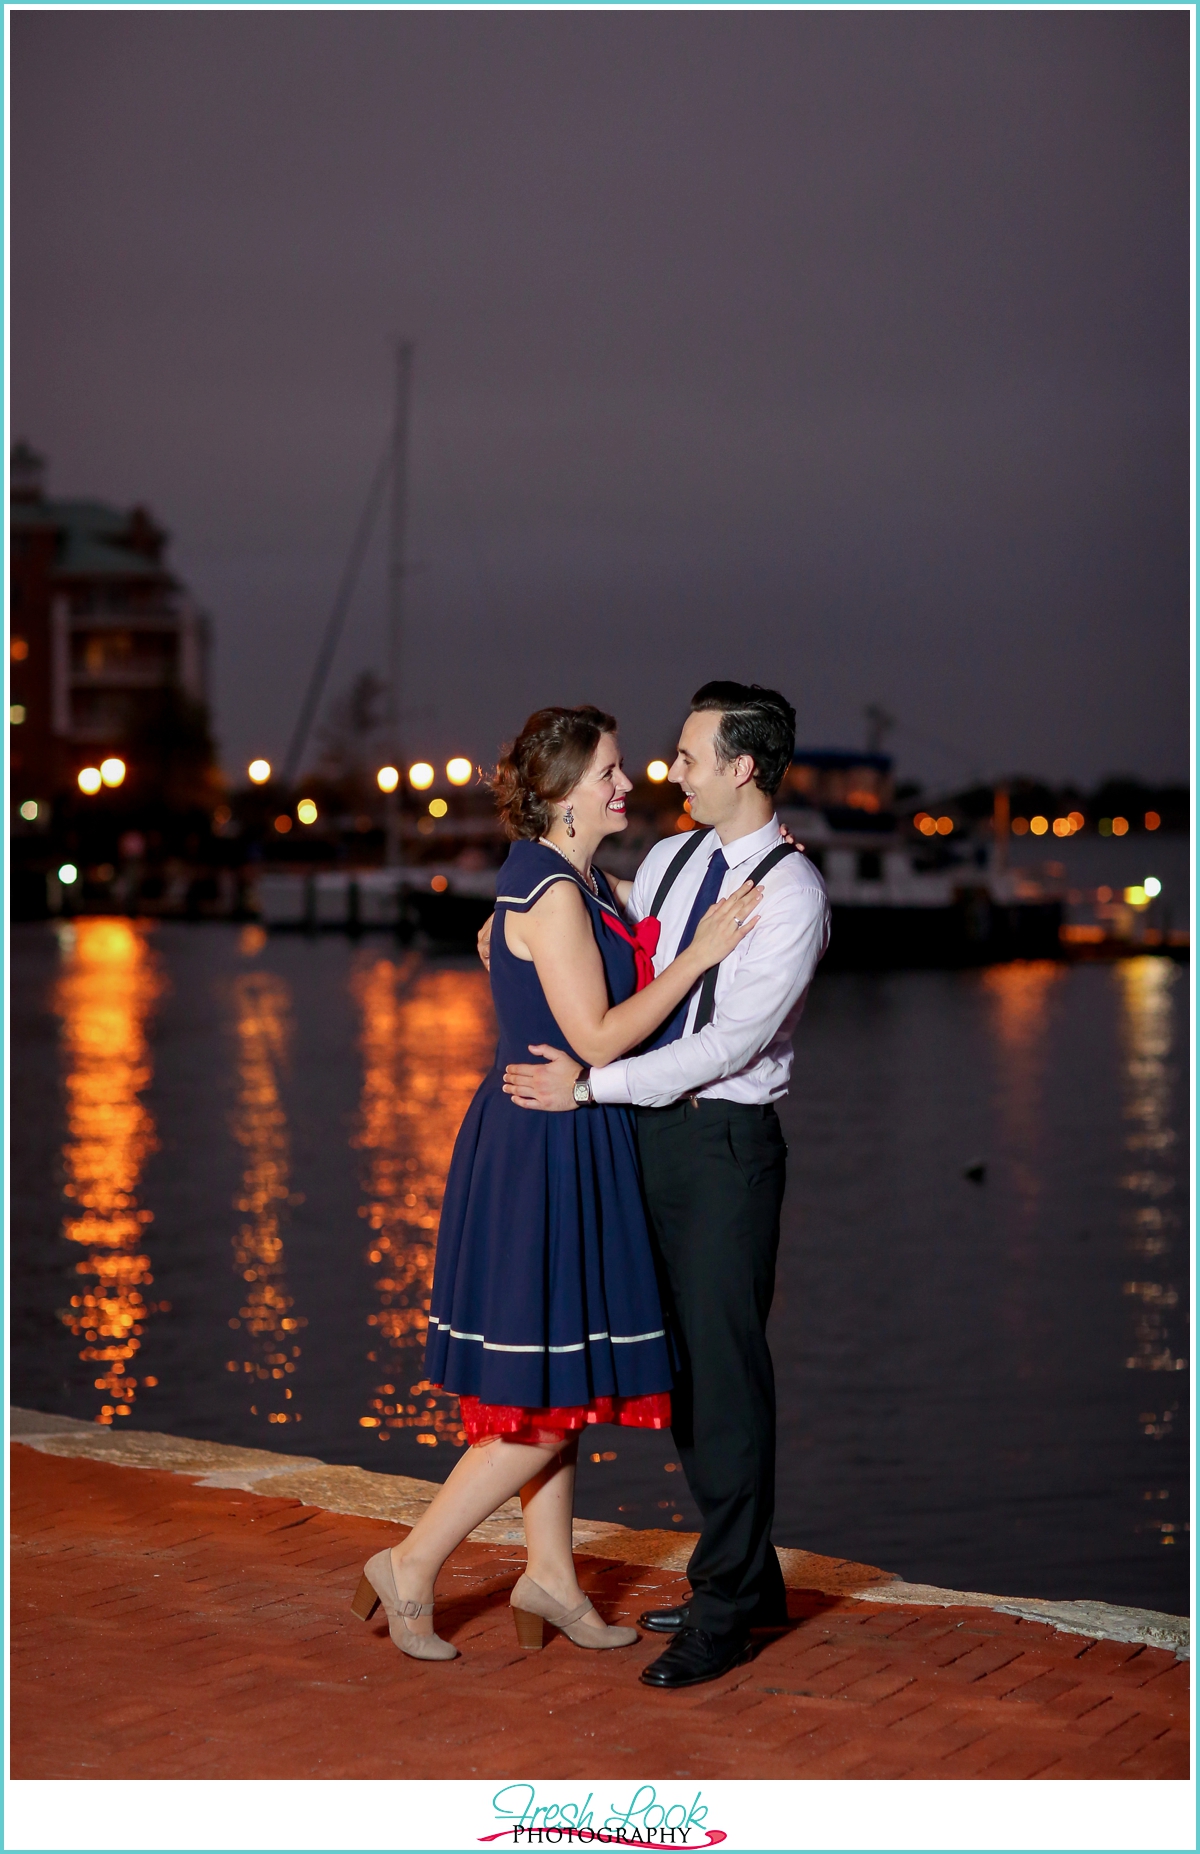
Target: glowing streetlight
{"type": "Point", "coordinates": [306, 811]}
{"type": "Point", "coordinates": [387, 778]}
{"type": "Point", "coordinates": [421, 775]}
{"type": "Point", "coordinates": [458, 771]}
{"type": "Point", "coordinates": [112, 771]}
{"type": "Point", "coordinates": [657, 771]}
{"type": "Point", "coordinates": [259, 771]}
{"type": "Point", "coordinates": [90, 780]}
{"type": "Point", "coordinates": [67, 874]}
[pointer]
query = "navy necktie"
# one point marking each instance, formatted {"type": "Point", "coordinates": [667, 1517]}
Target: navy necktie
{"type": "Point", "coordinates": [707, 893]}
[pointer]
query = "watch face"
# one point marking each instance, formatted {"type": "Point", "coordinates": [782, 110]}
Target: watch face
{"type": "Point", "coordinates": [581, 1092]}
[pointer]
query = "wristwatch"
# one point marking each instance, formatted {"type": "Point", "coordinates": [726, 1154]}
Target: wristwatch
{"type": "Point", "coordinates": [582, 1090]}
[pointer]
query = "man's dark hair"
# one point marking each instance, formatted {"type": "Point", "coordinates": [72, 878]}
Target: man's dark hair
{"type": "Point", "coordinates": [754, 720]}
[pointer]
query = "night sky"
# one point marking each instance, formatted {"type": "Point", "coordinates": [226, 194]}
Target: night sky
{"type": "Point", "coordinates": [842, 351]}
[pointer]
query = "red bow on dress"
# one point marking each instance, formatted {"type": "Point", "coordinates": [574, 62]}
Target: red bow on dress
{"type": "Point", "coordinates": [643, 940]}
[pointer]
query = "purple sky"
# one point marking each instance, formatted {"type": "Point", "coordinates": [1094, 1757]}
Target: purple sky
{"type": "Point", "coordinates": [842, 351]}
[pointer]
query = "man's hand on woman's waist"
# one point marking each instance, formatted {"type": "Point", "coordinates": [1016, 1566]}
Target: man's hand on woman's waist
{"type": "Point", "coordinates": [545, 1085]}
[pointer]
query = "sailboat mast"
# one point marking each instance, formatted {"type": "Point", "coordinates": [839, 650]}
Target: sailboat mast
{"type": "Point", "coordinates": [397, 573]}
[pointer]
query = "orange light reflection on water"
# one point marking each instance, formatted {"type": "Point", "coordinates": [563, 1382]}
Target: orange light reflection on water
{"type": "Point", "coordinates": [1021, 996]}
{"type": "Point", "coordinates": [427, 1038]}
{"type": "Point", "coordinates": [267, 1326]}
{"type": "Point", "coordinates": [1149, 1074]}
{"type": "Point", "coordinates": [105, 995]}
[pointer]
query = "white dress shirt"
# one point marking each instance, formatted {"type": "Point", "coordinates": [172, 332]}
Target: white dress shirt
{"type": "Point", "coordinates": [745, 1053]}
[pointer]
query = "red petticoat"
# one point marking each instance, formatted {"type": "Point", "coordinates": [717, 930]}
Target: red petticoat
{"type": "Point", "coordinates": [517, 1424]}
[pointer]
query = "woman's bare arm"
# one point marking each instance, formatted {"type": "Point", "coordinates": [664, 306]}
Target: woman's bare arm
{"type": "Point", "coordinates": [556, 934]}
{"type": "Point", "coordinates": [621, 887]}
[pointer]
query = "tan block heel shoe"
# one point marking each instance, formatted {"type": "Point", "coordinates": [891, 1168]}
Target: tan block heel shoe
{"type": "Point", "coordinates": [533, 1608]}
{"type": "Point", "coordinates": [378, 1585]}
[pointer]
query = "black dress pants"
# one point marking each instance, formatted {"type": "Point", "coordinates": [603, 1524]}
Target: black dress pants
{"type": "Point", "coordinates": [714, 1175]}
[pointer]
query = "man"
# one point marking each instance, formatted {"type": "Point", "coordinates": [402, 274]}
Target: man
{"type": "Point", "coordinates": [712, 1153]}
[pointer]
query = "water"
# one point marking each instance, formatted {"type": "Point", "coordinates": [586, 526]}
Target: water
{"type": "Point", "coordinates": [228, 1155]}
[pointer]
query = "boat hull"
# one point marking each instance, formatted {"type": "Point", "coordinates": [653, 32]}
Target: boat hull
{"type": "Point", "coordinates": [975, 930]}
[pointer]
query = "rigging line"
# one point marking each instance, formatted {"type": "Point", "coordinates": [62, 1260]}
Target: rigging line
{"type": "Point", "coordinates": [337, 617]}
{"type": "Point", "coordinates": [943, 746]}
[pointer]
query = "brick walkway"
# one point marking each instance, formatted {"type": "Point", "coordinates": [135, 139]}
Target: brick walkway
{"type": "Point", "coordinates": [164, 1630]}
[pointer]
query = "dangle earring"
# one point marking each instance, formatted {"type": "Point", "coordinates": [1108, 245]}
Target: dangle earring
{"type": "Point", "coordinates": [569, 821]}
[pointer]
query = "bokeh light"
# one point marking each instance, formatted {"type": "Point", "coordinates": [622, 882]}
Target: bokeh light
{"type": "Point", "coordinates": [16, 713]}
{"type": "Point", "coordinates": [1152, 886]}
{"type": "Point", "coordinates": [90, 780]}
{"type": "Point", "coordinates": [387, 778]}
{"type": "Point", "coordinates": [112, 771]}
{"type": "Point", "coordinates": [306, 811]}
{"type": "Point", "coordinates": [420, 776]}
{"type": "Point", "coordinates": [944, 826]}
{"type": "Point", "coordinates": [1039, 826]}
{"type": "Point", "coordinates": [458, 771]}
{"type": "Point", "coordinates": [439, 884]}
{"type": "Point", "coordinates": [259, 771]}
{"type": "Point", "coordinates": [1020, 827]}
{"type": "Point", "coordinates": [657, 771]}
{"type": "Point", "coordinates": [1137, 896]}
{"type": "Point", "coordinates": [1120, 826]}
{"type": "Point", "coordinates": [29, 810]}
{"type": "Point", "coordinates": [283, 824]}
{"type": "Point", "coordinates": [438, 807]}
{"type": "Point", "coordinates": [1152, 820]}
{"type": "Point", "coordinates": [67, 874]}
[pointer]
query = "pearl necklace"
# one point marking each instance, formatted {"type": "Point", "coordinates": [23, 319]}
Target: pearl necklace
{"type": "Point", "coordinates": [589, 878]}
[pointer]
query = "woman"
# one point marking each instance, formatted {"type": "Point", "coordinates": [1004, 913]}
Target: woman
{"type": "Point", "coordinates": [545, 1313]}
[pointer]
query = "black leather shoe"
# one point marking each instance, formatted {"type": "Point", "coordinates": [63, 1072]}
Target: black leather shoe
{"type": "Point", "coordinates": [664, 1621]}
{"type": "Point", "coordinates": [668, 1621]}
{"type": "Point", "coordinates": [695, 1656]}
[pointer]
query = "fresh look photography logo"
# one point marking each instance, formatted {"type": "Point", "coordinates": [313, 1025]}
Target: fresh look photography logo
{"type": "Point", "coordinates": [646, 1821]}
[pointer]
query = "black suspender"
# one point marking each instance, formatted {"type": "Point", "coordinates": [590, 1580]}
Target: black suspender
{"type": "Point", "coordinates": [708, 985]}
{"type": "Point", "coordinates": [694, 839]}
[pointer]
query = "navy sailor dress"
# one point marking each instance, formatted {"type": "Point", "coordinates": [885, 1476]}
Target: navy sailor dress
{"type": "Point", "coordinates": [545, 1313]}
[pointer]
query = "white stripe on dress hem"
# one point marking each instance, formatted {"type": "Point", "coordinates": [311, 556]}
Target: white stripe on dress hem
{"type": "Point", "coordinates": [491, 1345]}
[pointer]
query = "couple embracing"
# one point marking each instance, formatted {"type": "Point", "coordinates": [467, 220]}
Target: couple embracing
{"type": "Point", "coordinates": [611, 1217]}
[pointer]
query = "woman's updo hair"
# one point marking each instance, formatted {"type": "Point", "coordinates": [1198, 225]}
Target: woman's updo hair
{"type": "Point", "coordinates": [546, 761]}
